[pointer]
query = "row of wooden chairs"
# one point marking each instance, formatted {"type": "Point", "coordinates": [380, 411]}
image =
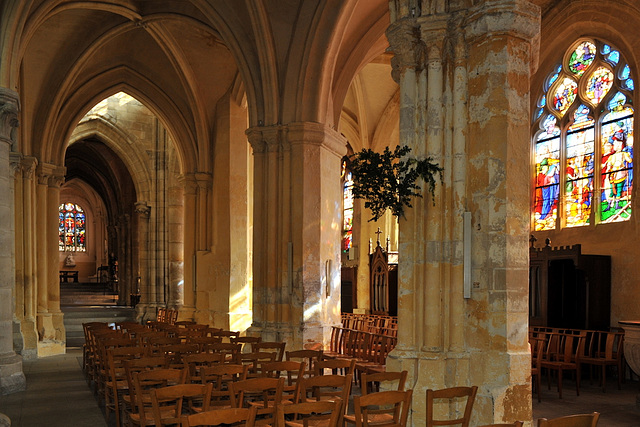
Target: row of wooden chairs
{"type": "Point", "coordinates": [564, 350]}
{"type": "Point", "coordinates": [369, 350]}
{"type": "Point", "coordinates": [374, 323]}
{"type": "Point", "coordinates": [166, 315]}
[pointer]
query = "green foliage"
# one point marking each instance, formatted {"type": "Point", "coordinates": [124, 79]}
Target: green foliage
{"type": "Point", "coordinates": [388, 180]}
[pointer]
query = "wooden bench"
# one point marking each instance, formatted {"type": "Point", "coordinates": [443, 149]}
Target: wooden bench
{"type": "Point", "coordinates": [65, 275]}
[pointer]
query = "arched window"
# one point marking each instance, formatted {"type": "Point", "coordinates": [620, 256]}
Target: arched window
{"type": "Point", "coordinates": [583, 140]}
{"type": "Point", "coordinates": [71, 228]}
{"type": "Point", "coordinates": [347, 207]}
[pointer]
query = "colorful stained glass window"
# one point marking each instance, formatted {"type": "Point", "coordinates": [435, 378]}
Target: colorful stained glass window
{"type": "Point", "coordinates": [583, 148]}
{"type": "Point", "coordinates": [582, 57]}
{"type": "Point", "coordinates": [579, 168]}
{"type": "Point", "coordinates": [71, 228]}
{"type": "Point", "coordinates": [564, 95]}
{"type": "Point", "coordinates": [599, 84]}
{"type": "Point", "coordinates": [547, 155]}
{"type": "Point", "coordinates": [347, 208]}
{"type": "Point", "coordinates": [616, 166]}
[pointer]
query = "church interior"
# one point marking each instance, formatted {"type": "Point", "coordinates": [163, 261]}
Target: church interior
{"type": "Point", "coordinates": [194, 157]}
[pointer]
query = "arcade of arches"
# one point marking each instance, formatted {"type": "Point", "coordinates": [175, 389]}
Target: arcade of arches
{"type": "Point", "coordinates": [203, 140]}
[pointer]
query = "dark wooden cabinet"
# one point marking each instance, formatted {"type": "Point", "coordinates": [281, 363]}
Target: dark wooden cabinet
{"type": "Point", "coordinates": [568, 289]}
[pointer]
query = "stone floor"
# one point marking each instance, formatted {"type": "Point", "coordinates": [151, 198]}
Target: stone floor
{"type": "Point", "coordinates": [58, 395]}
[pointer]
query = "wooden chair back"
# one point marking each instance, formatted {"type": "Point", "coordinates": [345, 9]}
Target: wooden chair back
{"type": "Point", "coordinates": [325, 413]}
{"type": "Point", "coordinates": [221, 376]}
{"type": "Point", "coordinates": [270, 346]}
{"type": "Point", "coordinates": [580, 420]}
{"type": "Point", "coordinates": [309, 357]}
{"type": "Point", "coordinates": [395, 404]}
{"type": "Point", "coordinates": [228, 416]}
{"type": "Point", "coordinates": [449, 395]}
{"type": "Point", "coordinates": [194, 362]}
{"type": "Point", "coordinates": [370, 383]}
{"type": "Point", "coordinates": [326, 387]}
{"type": "Point", "coordinates": [168, 402]}
{"type": "Point", "coordinates": [263, 393]}
{"type": "Point", "coordinates": [291, 371]}
{"type": "Point", "coordinates": [335, 366]}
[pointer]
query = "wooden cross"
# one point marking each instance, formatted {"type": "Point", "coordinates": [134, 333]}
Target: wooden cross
{"type": "Point", "coordinates": [378, 236]}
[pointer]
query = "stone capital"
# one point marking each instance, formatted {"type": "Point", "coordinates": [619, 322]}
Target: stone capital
{"type": "Point", "coordinates": [189, 183]}
{"type": "Point", "coordinates": [317, 134]}
{"type": "Point", "coordinates": [9, 108]}
{"type": "Point", "coordinates": [406, 44]}
{"type": "Point", "coordinates": [203, 180]}
{"type": "Point", "coordinates": [517, 18]}
{"type": "Point", "coordinates": [143, 209]}
{"type": "Point", "coordinates": [28, 166]}
{"type": "Point", "coordinates": [265, 138]}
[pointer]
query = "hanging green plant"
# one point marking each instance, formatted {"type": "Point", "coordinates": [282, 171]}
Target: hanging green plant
{"type": "Point", "coordinates": [388, 180]}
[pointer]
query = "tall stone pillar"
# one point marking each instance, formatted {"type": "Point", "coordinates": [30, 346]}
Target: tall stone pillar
{"type": "Point", "coordinates": [56, 178]}
{"type": "Point", "coordinates": [25, 250]}
{"type": "Point", "coordinates": [297, 227]}
{"type": "Point", "coordinates": [191, 230]}
{"type": "Point", "coordinates": [147, 308]}
{"type": "Point", "coordinates": [464, 91]}
{"type": "Point", "coordinates": [11, 376]}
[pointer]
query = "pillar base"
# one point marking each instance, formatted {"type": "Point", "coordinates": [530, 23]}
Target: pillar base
{"type": "Point", "coordinates": [51, 348]}
{"type": "Point", "coordinates": [12, 378]}
{"type": "Point", "coordinates": [29, 339]}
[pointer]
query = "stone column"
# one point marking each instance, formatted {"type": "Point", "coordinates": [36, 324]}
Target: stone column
{"type": "Point", "coordinates": [147, 308]}
{"type": "Point", "coordinates": [11, 376]}
{"type": "Point", "coordinates": [56, 178]}
{"type": "Point", "coordinates": [26, 253]}
{"type": "Point", "coordinates": [297, 227]}
{"type": "Point", "coordinates": [190, 242]}
{"type": "Point", "coordinates": [464, 82]}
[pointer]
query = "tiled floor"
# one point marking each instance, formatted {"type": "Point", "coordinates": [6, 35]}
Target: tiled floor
{"type": "Point", "coordinates": [58, 395]}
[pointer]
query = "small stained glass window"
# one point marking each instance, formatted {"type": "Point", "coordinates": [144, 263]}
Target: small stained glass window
{"type": "Point", "coordinates": [583, 145]}
{"type": "Point", "coordinates": [347, 208]}
{"type": "Point", "coordinates": [71, 228]}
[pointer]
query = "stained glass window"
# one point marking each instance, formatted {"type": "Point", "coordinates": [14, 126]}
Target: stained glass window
{"type": "Point", "coordinates": [347, 208]}
{"type": "Point", "coordinates": [585, 127]}
{"type": "Point", "coordinates": [71, 228]}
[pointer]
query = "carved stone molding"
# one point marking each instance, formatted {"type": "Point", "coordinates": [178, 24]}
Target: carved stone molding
{"type": "Point", "coordinates": [142, 209]}
{"type": "Point", "coordinates": [28, 166]}
{"type": "Point", "coordinates": [189, 183]}
{"type": "Point", "coordinates": [266, 138]}
{"type": "Point", "coordinates": [9, 108]}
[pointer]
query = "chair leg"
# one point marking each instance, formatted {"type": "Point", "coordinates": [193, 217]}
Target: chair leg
{"type": "Point", "coordinates": [604, 377]}
{"type": "Point", "coordinates": [578, 375]}
{"type": "Point", "coordinates": [560, 382]}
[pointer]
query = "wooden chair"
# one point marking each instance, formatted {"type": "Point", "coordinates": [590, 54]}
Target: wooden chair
{"type": "Point", "coordinates": [168, 402]}
{"type": "Point", "coordinates": [203, 342]}
{"type": "Point", "coordinates": [175, 352]}
{"type": "Point", "coordinates": [537, 351]}
{"type": "Point", "coordinates": [335, 343]}
{"type": "Point", "coordinates": [309, 357]}
{"type": "Point", "coordinates": [225, 336]}
{"type": "Point", "coordinates": [326, 387]}
{"type": "Point", "coordinates": [255, 360]}
{"type": "Point", "coordinates": [244, 341]}
{"type": "Point", "coordinates": [194, 362]}
{"type": "Point", "coordinates": [370, 383]}
{"type": "Point", "coordinates": [450, 395]}
{"type": "Point", "coordinates": [606, 349]}
{"type": "Point", "coordinates": [116, 385]}
{"type": "Point", "coordinates": [336, 366]}
{"type": "Point", "coordinates": [291, 371]}
{"type": "Point", "coordinates": [392, 405]}
{"type": "Point", "coordinates": [513, 424]}
{"type": "Point", "coordinates": [581, 420]}
{"type": "Point", "coordinates": [132, 368]}
{"type": "Point", "coordinates": [220, 376]}
{"type": "Point", "coordinates": [270, 346]}
{"type": "Point", "coordinates": [563, 354]}
{"type": "Point", "coordinates": [263, 393]}
{"type": "Point", "coordinates": [229, 416]}
{"type": "Point", "coordinates": [144, 382]}
{"type": "Point", "coordinates": [325, 413]}
{"type": "Point", "coordinates": [231, 351]}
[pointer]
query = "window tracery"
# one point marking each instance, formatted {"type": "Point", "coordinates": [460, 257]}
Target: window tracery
{"type": "Point", "coordinates": [583, 140]}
